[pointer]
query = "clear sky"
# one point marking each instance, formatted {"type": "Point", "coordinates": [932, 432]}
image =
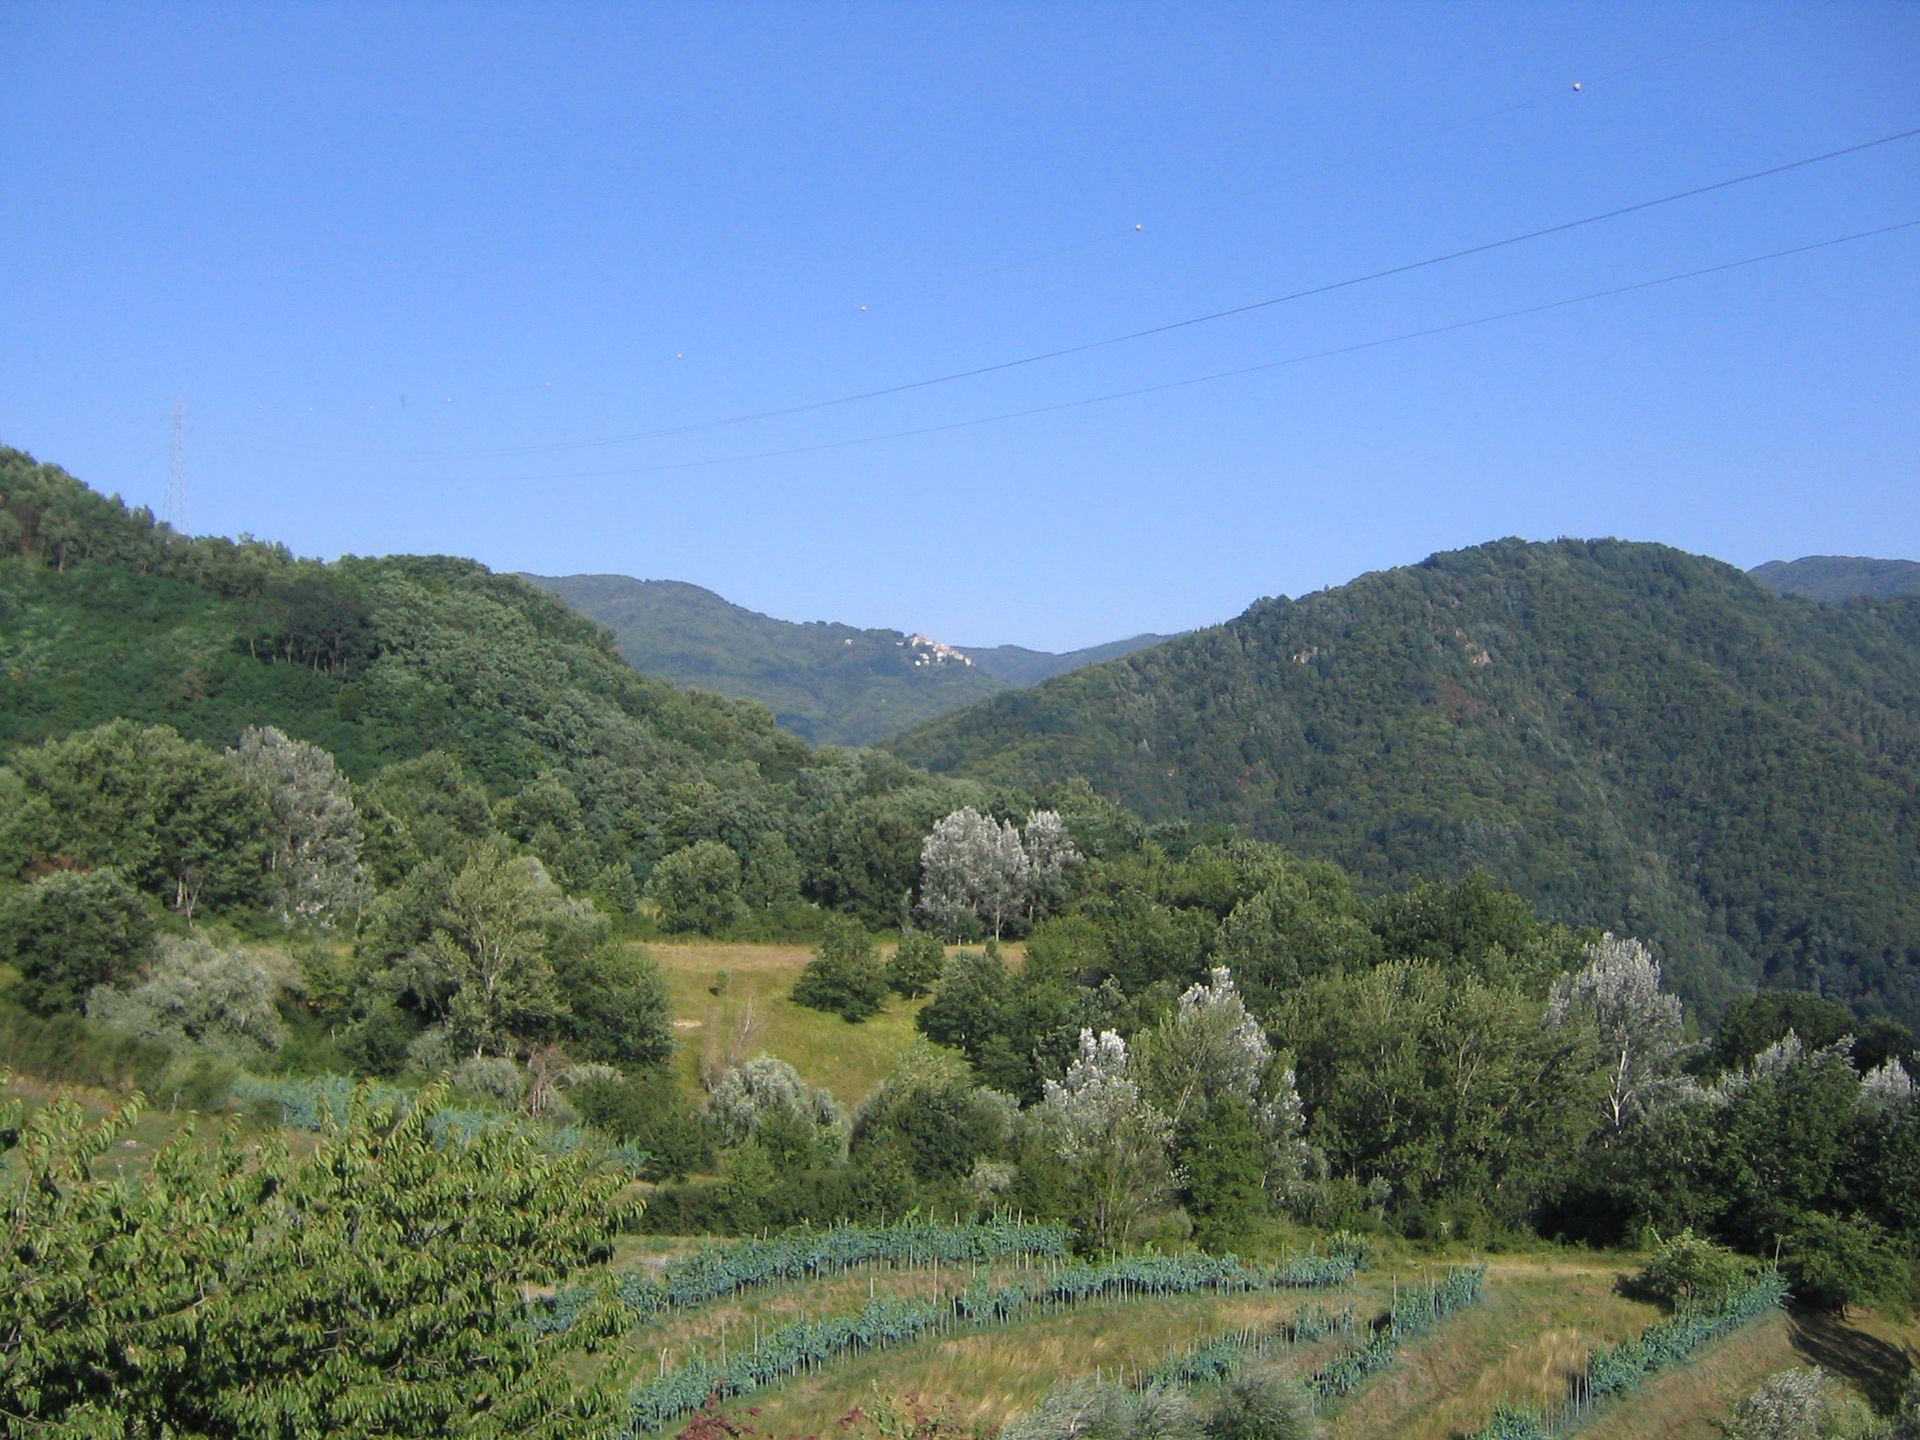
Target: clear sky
{"type": "Point", "coordinates": [507, 281]}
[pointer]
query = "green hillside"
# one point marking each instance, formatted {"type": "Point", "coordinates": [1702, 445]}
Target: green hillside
{"type": "Point", "coordinates": [105, 614]}
{"type": "Point", "coordinates": [1837, 578]}
{"type": "Point", "coordinates": [830, 684]}
{"type": "Point", "coordinates": [1630, 736]}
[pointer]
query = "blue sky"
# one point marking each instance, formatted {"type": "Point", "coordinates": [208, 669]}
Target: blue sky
{"type": "Point", "coordinates": [502, 280]}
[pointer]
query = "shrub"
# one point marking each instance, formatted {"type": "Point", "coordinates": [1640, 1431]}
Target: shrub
{"type": "Point", "coordinates": [1789, 1405]}
{"type": "Point", "coordinates": [71, 931]}
{"type": "Point", "coordinates": [844, 977]}
{"type": "Point", "coordinates": [915, 964]}
{"type": "Point", "coordinates": [1832, 1262]}
{"type": "Point", "coordinates": [198, 995]}
{"type": "Point", "coordinates": [78, 1051]}
{"type": "Point", "coordinates": [1263, 1402]}
{"type": "Point", "coordinates": [649, 1111]}
{"type": "Point", "coordinates": [1690, 1269]}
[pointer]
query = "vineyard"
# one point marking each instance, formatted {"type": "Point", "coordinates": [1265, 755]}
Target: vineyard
{"type": "Point", "coordinates": [987, 1318]}
{"type": "Point", "coordinates": [783, 1318]}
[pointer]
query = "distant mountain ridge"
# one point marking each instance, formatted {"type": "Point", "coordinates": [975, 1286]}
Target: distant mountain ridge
{"type": "Point", "coordinates": [1837, 578]}
{"type": "Point", "coordinates": [1631, 736]}
{"type": "Point", "coordinates": [828, 683]}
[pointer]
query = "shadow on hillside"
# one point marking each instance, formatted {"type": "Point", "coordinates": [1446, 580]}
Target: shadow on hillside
{"type": "Point", "coordinates": [1879, 1369]}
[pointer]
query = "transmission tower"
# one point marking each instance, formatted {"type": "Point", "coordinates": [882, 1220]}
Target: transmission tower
{"type": "Point", "coordinates": [176, 504]}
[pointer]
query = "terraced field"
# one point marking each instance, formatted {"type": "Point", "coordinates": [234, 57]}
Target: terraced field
{"type": "Point", "coordinates": [1530, 1332]}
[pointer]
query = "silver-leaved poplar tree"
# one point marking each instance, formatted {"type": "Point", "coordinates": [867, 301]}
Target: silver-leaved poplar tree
{"type": "Point", "coordinates": [1111, 1138]}
{"type": "Point", "coordinates": [978, 870]}
{"type": "Point", "coordinates": [1640, 1027]}
{"type": "Point", "coordinates": [314, 868]}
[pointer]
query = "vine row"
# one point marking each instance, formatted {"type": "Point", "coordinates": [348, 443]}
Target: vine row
{"type": "Point", "coordinates": [1622, 1369]}
{"type": "Point", "coordinates": [809, 1345]}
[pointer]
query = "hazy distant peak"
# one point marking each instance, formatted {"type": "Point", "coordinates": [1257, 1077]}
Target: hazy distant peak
{"type": "Point", "coordinates": [1835, 578]}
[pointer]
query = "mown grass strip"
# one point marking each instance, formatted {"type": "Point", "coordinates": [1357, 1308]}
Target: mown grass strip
{"type": "Point", "coordinates": [1622, 1369]}
{"type": "Point", "coordinates": [1413, 1312]}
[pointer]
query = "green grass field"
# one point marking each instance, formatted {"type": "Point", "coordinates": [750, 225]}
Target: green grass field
{"type": "Point", "coordinates": [720, 1022]}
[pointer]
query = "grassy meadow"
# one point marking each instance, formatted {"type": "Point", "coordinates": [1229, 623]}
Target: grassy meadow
{"type": "Point", "coordinates": [731, 1001]}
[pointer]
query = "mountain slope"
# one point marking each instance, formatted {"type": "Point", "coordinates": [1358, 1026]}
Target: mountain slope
{"type": "Point", "coordinates": [1632, 736]}
{"type": "Point", "coordinates": [1835, 578]}
{"type": "Point", "coordinates": [105, 614]}
{"type": "Point", "coordinates": [830, 684]}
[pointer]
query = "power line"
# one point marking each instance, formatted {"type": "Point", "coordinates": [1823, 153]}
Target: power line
{"type": "Point", "coordinates": [1244, 370]}
{"type": "Point", "coordinates": [1210, 317]}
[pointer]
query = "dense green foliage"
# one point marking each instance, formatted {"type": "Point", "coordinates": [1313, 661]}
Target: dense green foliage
{"type": "Point", "coordinates": [207, 1298]}
{"type": "Point", "coordinates": [69, 932]}
{"type": "Point", "coordinates": [830, 684]}
{"type": "Point", "coordinates": [844, 977]}
{"type": "Point", "coordinates": [444, 690]}
{"type": "Point", "coordinates": [1628, 736]}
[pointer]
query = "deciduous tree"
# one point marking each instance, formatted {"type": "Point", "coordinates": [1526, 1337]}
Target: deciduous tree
{"type": "Point", "coordinates": [372, 1288]}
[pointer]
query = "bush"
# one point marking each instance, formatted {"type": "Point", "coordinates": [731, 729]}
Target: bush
{"type": "Point", "coordinates": [915, 964]}
{"type": "Point", "coordinates": [1264, 1402]}
{"type": "Point", "coordinates": [1788, 1405]}
{"type": "Point", "coordinates": [71, 931]}
{"type": "Point", "coordinates": [1832, 1263]}
{"type": "Point", "coordinates": [1690, 1269]}
{"type": "Point", "coordinates": [648, 1111]}
{"type": "Point", "coordinates": [77, 1051]}
{"type": "Point", "coordinates": [844, 977]}
{"type": "Point", "coordinates": [198, 995]}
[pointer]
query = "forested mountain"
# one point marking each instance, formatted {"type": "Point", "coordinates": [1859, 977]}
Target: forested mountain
{"type": "Point", "coordinates": [106, 615]}
{"type": "Point", "coordinates": [828, 683]}
{"type": "Point", "coordinates": [1629, 735]}
{"type": "Point", "coordinates": [1835, 578]}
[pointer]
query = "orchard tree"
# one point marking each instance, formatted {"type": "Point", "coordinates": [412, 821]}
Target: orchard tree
{"type": "Point", "coordinates": [314, 871]}
{"type": "Point", "coordinates": [371, 1288]}
{"type": "Point", "coordinates": [1639, 1026]}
